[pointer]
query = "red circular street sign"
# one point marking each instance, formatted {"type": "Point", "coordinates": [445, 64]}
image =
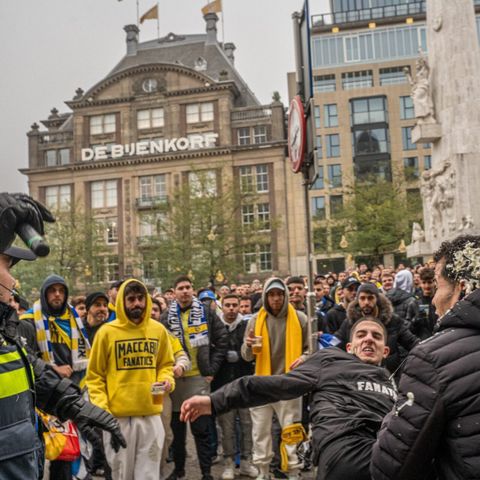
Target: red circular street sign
{"type": "Point", "coordinates": [297, 133]}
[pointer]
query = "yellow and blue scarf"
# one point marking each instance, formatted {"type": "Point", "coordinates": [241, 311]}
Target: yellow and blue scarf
{"type": "Point", "coordinates": [77, 330]}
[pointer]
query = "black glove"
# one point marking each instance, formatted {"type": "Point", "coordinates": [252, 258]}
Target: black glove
{"type": "Point", "coordinates": [18, 208]}
{"type": "Point", "coordinates": [88, 416]}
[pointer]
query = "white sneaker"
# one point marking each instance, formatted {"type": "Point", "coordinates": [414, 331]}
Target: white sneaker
{"type": "Point", "coordinates": [248, 470]}
{"type": "Point", "coordinates": [293, 477]}
{"type": "Point", "coordinates": [229, 470]}
{"type": "Point", "coordinates": [263, 476]}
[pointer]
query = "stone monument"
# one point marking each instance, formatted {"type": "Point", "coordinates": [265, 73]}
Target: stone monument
{"type": "Point", "coordinates": [446, 98]}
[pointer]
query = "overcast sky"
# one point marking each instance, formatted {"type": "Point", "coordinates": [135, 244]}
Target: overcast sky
{"type": "Point", "coordinates": [49, 48]}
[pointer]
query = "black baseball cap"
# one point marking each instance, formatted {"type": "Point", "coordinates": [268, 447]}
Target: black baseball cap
{"type": "Point", "coordinates": [348, 282]}
{"type": "Point", "coordinates": [17, 254]}
{"type": "Point", "coordinates": [90, 300]}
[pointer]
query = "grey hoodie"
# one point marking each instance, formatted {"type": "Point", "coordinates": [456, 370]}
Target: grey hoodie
{"type": "Point", "coordinates": [276, 331]}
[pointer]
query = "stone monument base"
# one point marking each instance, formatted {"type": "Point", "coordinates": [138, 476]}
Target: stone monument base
{"type": "Point", "coordinates": [419, 249]}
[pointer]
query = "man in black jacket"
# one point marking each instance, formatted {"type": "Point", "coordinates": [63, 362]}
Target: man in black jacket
{"type": "Point", "coordinates": [370, 301]}
{"type": "Point", "coordinates": [235, 367]}
{"type": "Point", "coordinates": [337, 314]}
{"type": "Point", "coordinates": [204, 338]}
{"type": "Point", "coordinates": [25, 380]}
{"type": "Point", "coordinates": [351, 394]}
{"type": "Point", "coordinates": [439, 434]}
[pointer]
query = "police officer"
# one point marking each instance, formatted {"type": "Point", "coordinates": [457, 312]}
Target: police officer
{"type": "Point", "coordinates": [26, 381]}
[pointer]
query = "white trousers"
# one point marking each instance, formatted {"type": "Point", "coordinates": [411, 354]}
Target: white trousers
{"type": "Point", "coordinates": [288, 412]}
{"type": "Point", "coordinates": [141, 459]}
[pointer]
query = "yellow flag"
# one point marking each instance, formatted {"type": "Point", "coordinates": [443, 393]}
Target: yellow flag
{"type": "Point", "coordinates": [150, 14]}
{"type": "Point", "coordinates": [214, 7]}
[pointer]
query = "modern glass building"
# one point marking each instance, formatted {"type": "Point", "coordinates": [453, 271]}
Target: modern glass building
{"type": "Point", "coordinates": [363, 111]}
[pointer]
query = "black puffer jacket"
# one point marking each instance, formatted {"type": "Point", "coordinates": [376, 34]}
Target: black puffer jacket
{"type": "Point", "coordinates": [398, 333]}
{"type": "Point", "coordinates": [404, 304]}
{"type": "Point", "coordinates": [441, 431]}
{"type": "Point", "coordinates": [231, 370]}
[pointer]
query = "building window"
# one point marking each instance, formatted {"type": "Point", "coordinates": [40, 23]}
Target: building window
{"type": "Point", "coordinates": [254, 179]}
{"type": "Point", "coordinates": [257, 258]}
{"type": "Point", "coordinates": [107, 269]}
{"type": "Point", "coordinates": [392, 76]}
{"type": "Point", "coordinates": [336, 205]}
{"type": "Point", "coordinates": [331, 115]}
{"type": "Point", "coordinates": [333, 145]}
{"type": "Point", "coordinates": [152, 118]}
{"type": "Point", "coordinates": [407, 139]}
{"type": "Point", "coordinates": [151, 225]}
{"type": "Point", "coordinates": [318, 146]}
{"type": "Point", "coordinates": [368, 110]}
{"type": "Point", "coordinates": [58, 197]}
{"type": "Point", "coordinates": [318, 208]}
{"type": "Point", "coordinates": [410, 165]}
{"type": "Point", "coordinates": [373, 140]}
{"type": "Point", "coordinates": [324, 83]}
{"type": "Point", "coordinates": [104, 194]}
{"type": "Point", "coordinates": [316, 113]}
{"type": "Point", "coordinates": [243, 134]}
{"type": "Point", "coordinates": [427, 162]}
{"type": "Point", "coordinates": [262, 178]}
{"type": "Point", "coordinates": [259, 134]}
{"type": "Point", "coordinates": [265, 258]}
{"type": "Point", "coordinates": [203, 184]}
{"type": "Point", "coordinates": [153, 187]}
{"type": "Point", "coordinates": [406, 108]}
{"type": "Point", "coordinates": [263, 213]}
{"type": "Point", "coordinates": [380, 44]}
{"type": "Point", "coordinates": [100, 124]}
{"type": "Point", "coordinates": [200, 112]}
{"type": "Point", "coordinates": [319, 181]}
{"type": "Point", "coordinates": [258, 214]}
{"type": "Point", "coordinates": [248, 215]}
{"type": "Point", "coordinates": [57, 157]}
{"type": "Point", "coordinates": [110, 230]}
{"type": "Point", "coordinates": [361, 79]}
{"type": "Point", "coordinates": [335, 175]}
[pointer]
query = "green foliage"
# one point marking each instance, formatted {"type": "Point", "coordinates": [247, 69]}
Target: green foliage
{"type": "Point", "coordinates": [198, 232]}
{"type": "Point", "coordinates": [75, 244]}
{"type": "Point", "coordinates": [378, 216]}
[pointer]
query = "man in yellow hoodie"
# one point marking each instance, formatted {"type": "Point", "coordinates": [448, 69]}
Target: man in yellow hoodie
{"type": "Point", "coordinates": [129, 356]}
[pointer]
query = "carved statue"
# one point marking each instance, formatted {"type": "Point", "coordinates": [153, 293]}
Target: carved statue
{"type": "Point", "coordinates": [438, 190]}
{"type": "Point", "coordinates": [421, 93]}
{"type": "Point", "coordinates": [418, 235]}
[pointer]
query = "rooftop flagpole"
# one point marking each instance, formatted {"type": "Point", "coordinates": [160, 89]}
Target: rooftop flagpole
{"type": "Point", "coordinates": [158, 20]}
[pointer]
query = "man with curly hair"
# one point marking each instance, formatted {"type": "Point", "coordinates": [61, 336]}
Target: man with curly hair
{"type": "Point", "coordinates": [434, 428]}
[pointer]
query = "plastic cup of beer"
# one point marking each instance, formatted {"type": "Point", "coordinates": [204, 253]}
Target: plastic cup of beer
{"type": "Point", "coordinates": [257, 345]}
{"type": "Point", "coordinates": [158, 390]}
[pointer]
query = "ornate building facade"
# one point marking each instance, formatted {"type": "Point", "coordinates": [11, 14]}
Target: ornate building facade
{"type": "Point", "coordinates": [171, 107]}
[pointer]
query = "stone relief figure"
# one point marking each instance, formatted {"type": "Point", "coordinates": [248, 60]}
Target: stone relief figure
{"type": "Point", "coordinates": [467, 223]}
{"type": "Point", "coordinates": [421, 92]}
{"type": "Point", "coordinates": [418, 235]}
{"type": "Point", "coordinates": [438, 190]}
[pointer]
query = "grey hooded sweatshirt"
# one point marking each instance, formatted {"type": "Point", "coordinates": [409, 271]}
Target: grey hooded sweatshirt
{"type": "Point", "coordinates": [277, 326]}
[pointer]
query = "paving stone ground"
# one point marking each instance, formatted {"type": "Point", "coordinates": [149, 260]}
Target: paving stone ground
{"type": "Point", "coordinates": [193, 471]}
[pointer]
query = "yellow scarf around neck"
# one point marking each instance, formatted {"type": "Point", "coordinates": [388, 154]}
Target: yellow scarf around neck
{"type": "Point", "coordinates": [293, 341]}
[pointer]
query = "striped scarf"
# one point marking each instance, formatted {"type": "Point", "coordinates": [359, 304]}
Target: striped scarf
{"type": "Point", "coordinates": [197, 328]}
{"type": "Point", "coordinates": [77, 341]}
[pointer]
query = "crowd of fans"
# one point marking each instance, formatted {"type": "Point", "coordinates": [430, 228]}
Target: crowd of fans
{"type": "Point", "coordinates": [400, 298]}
